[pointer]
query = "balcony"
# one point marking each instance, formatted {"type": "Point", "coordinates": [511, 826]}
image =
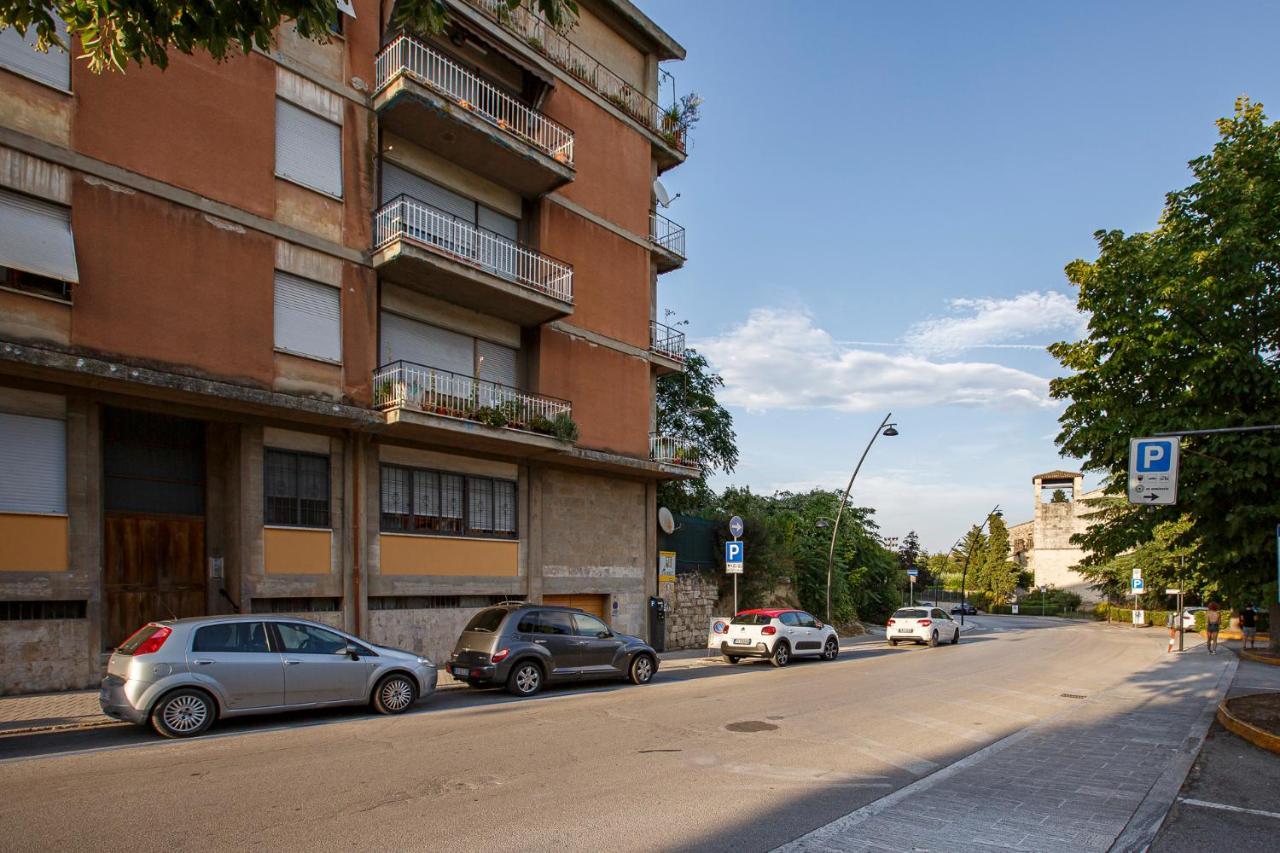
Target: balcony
{"type": "Point", "coordinates": [668, 344]}
{"type": "Point", "coordinates": [556, 47]}
{"type": "Point", "coordinates": [670, 450]}
{"type": "Point", "coordinates": [472, 412]}
{"type": "Point", "coordinates": [435, 252]}
{"type": "Point", "coordinates": [433, 101]}
{"type": "Point", "coordinates": [668, 242]}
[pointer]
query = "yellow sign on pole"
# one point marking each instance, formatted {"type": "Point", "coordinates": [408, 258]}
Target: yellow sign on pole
{"type": "Point", "coordinates": [666, 566]}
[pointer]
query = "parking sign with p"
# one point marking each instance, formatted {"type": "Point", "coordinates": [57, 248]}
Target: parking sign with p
{"type": "Point", "coordinates": [1153, 471]}
{"type": "Point", "coordinates": [734, 552]}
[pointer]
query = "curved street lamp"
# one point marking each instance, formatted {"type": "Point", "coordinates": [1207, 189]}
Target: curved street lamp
{"type": "Point", "coordinates": [964, 574]}
{"type": "Point", "coordinates": [886, 429]}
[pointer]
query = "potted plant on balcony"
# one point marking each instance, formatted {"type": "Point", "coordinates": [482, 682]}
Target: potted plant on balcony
{"type": "Point", "coordinates": [564, 428]}
{"type": "Point", "coordinates": [679, 118]}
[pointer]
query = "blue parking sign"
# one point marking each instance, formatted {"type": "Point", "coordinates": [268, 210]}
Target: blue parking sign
{"type": "Point", "coordinates": [734, 552]}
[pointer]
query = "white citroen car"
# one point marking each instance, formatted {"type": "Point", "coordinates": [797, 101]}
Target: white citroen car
{"type": "Point", "coordinates": [927, 625]}
{"type": "Point", "coordinates": [779, 635]}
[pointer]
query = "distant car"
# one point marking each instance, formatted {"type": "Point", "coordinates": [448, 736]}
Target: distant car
{"type": "Point", "coordinates": [967, 609]}
{"type": "Point", "coordinates": [925, 625]}
{"type": "Point", "coordinates": [181, 675]}
{"type": "Point", "coordinates": [1189, 617]}
{"type": "Point", "coordinates": [525, 646]}
{"type": "Point", "coordinates": [779, 635]}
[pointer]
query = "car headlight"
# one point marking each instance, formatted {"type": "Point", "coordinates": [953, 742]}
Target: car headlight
{"type": "Point", "coordinates": [426, 661]}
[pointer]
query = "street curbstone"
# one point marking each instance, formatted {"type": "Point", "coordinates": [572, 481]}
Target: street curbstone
{"type": "Point", "coordinates": [1269, 660]}
{"type": "Point", "coordinates": [1256, 736]}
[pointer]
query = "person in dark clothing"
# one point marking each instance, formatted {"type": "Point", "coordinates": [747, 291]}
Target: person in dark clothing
{"type": "Point", "coordinates": [1249, 625]}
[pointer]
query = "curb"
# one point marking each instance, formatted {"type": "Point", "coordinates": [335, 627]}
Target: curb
{"type": "Point", "coordinates": [1248, 731]}
{"type": "Point", "coordinates": [61, 727]}
{"type": "Point", "coordinates": [1267, 659]}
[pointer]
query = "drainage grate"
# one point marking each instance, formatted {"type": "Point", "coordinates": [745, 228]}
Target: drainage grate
{"type": "Point", "coordinates": [1072, 696]}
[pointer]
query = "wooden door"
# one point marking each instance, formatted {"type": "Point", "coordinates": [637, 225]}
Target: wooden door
{"type": "Point", "coordinates": [590, 603]}
{"type": "Point", "coordinates": [154, 569]}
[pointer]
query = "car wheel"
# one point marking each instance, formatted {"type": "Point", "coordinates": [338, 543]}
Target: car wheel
{"type": "Point", "coordinates": [642, 669]}
{"type": "Point", "coordinates": [830, 649]}
{"type": "Point", "coordinates": [525, 679]}
{"type": "Point", "coordinates": [394, 694]}
{"type": "Point", "coordinates": [781, 654]}
{"type": "Point", "coordinates": [933, 639]}
{"type": "Point", "coordinates": [893, 642]}
{"type": "Point", "coordinates": [955, 638]}
{"type": "Point", "coordinates": [183, 713]}
{"type": "Point", "coordinates": [730, 659]}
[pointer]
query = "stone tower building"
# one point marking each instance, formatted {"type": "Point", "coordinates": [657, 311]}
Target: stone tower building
{"type": "Point", "coordinates": [1043, 545]}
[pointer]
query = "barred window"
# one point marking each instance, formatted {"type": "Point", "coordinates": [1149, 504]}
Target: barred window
{"type": "Point", "coordinates": [296, 489]}
{"type": "Point", "coordinates": [422, 501]}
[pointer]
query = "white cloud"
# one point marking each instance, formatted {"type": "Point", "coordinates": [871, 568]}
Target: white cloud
{"type": "Point", "coordinates": [778, 359]}
{"type": "Point", "coordinates": [998, 323]}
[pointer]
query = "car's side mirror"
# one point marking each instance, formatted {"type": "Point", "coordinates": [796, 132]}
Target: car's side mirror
{"type": "Point", "coordinates": [352, 651]}
{"type": "Point", "coordinates": [604, 635]}
{"type": "Point", "coordinates": [818, 624]}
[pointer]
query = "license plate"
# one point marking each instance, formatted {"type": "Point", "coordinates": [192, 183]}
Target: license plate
{"type": "Point", "coordinates": [905, 630]}
{"type": "Point", "coordinates": [742, 641]}
{"type": "Point", "coordinates": [460, 671]}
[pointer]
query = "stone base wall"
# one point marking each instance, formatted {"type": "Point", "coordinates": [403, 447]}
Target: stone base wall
{"type": "Point", "coordinates": [432, 633]}
{"type": "Point", "coordinates": [695, 600]}
{"type": "Point", "coordinates": [44, 655]}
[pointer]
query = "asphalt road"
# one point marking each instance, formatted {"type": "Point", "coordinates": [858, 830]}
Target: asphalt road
{"type": "Point", "coordinates": [743, 758]}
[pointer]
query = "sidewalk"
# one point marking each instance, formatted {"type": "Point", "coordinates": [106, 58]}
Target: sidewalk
{"type": "Point", "coordinates": [77, 709]}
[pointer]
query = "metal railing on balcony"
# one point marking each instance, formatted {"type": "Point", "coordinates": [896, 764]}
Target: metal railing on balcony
{"type": "Point", "coordinates": [407, 55]}
{"type": "Point", "coordinates": [666, 341]}
{"type": "Point", "coordinates": [404, 217]}
{"type": "Point", "coordinates": [403, 384]}
{"type": "Point", "coordinates": [672, 450]}
{"type": "Point", "coordinates": [666, 234]}
{"type": "Point", "coordinates": [557, 47]}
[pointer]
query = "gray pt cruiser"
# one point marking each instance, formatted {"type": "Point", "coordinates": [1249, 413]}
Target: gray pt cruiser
{"type": "Point", "coordinates": [183, 674]}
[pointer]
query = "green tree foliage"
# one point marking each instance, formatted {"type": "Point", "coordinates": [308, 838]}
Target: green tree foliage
{"type": "Point", "coordinates": [1184, 333]}
{"type": "Point", "coordinates": [687, 408]}
{"type": "Point", "coordinates": [911, 557]}
{"type": "Point", "coordinates": [997, 574]}
{"type": "Point", "coordinates": [144, 31]}
{"type": "Point", "coordinates": [1166, 560]}
{"type": "Point", "coordinates": [1058, 497]}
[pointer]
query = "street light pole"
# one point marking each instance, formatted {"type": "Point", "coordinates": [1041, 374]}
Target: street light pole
{"type": "Point", "coordinates": [964, 573]}
{"type": "Point", "coordinates": [886, 429]}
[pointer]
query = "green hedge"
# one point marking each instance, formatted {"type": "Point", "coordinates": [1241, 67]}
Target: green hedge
{"type": "Point", "coordinates": [1154, 618]}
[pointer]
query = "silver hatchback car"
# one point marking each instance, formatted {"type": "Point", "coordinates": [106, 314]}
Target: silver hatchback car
{"type": "Point", "coordinates": [183, 674]}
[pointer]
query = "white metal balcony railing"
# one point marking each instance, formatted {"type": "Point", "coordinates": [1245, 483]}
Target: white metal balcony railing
{"type": "Point", "coordinates": [559, 49]}
{"type": "Point", "coordinates": [403, 384]}
{"type": "Point", "coordinates": [404, 217]}
{"type": "Point", "coordinates": [665, 340]}
{"type": "Point", "coordinates": [666, 234]}
{"type": "Point", "coordinates": [672, 450]}
{"type": "Point", "coordinates": [407, 55]}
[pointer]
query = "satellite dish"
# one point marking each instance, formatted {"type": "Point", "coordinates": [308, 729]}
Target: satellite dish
{"type": "Point", "coordinates": [660, 193]}
{"type": "Point", "coordinates": [666, 520]}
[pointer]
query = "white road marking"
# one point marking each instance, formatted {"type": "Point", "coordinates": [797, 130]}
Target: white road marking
{"type": "Point", "coordinates": [1205, 804]}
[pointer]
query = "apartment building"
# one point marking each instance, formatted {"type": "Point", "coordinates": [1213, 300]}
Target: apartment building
{"type": "Point", "coordinates": [363, 331]}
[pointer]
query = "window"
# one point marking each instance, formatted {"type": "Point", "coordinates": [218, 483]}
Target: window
{"type": "Point", "coordinates": [18, 54]}
{"type": "Point", "coordinates": [308, 317]}
{"type": "Point", "coordinates": [296, 487]}
{"type": "Point", "coordinates": [242, 637]}
{"type": "Point", "coordinates": [751, 619]}
{"type": "Point", "coordinates": [487, 621]}
{"type": "Point", "coordinates": [403, 339]}
{"type": "Point", "coordinates": [589, 626]}
{"type": "Point", "coordinates": [310, 640]}
{"type": "Point", "coordinates": [36, 245]}
{"type": "Point", "coordinates": [906, 613]}
{"type": "Point", "coordinates": [554, 622]}
{"type": "Point", "coordinates": [308, 149]}
{"type": "Point", "coordinates": [28, 611]}
{"type": "Point", "coordinates": [33, 464]}
{"type": "Point", "coordinates": [790, 619]}
{"type": "Point", "coordinates": [806, 620]}
{"type": "Point", "coordinates": [421, 501]}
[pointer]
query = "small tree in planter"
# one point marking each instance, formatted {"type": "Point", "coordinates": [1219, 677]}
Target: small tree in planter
{"type": "Point", "coordinates": [679, 118]}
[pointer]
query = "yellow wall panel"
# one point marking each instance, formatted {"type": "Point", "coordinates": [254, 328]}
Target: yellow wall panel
{"type": "Point", "coordinates": [440, 555]}
{"type": "Point", "coordinates": [297, 551]}
{"type": "Point", "coordinates": [33, 543]}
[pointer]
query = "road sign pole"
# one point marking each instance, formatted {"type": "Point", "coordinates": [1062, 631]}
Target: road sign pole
{"type": "Point", "coordinates": [1182, 591]}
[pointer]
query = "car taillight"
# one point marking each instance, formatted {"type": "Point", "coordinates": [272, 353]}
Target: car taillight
{"type": "Point", "coordinates": [500, 655]}
{"type": "Point", "coordinates": [768, 630]}
{"type": "Point", "coordinates": [889, 623]}
{"type": "Point", "coordinates": [152, 644]}
{"type": "Point", "coordinates": [926, 622]}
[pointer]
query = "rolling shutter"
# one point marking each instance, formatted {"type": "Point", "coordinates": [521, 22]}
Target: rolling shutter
{"type": "Point", "coordinates": [308, 317]}
{"type": "Point", "coordinates": [408, 340]}
{"type": "Point", "coordinates": [35, 237]}
{"type": "Point", "coordinates": [308, 149]}
{"type": "Point", "coordinates": [33, 464]}
{"type": "Point", "coordinates": [499, 223]}
{"type": "Point", "coordinates": [397, 181]}
{"type": "Point", "coordinates": [499, 363]}
{"type": "Point", "coordinates": [18, 53]}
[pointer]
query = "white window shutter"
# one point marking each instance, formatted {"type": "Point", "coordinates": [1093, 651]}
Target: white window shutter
{"type": "Point", "coordinates": [33, 464]}
{"type": "Point", "coordinates": [430, 346]}
{"type": "Point", "coordinates": [499, 223]}
{"type": "Point", "coordinates": [397, 181]}
{"type": "Point", "coordinates": [308, 149]}
{"type": "Point", "coordinates": [35, 236]}
{"type": "Point", "coordinates": [308, 317]}
{"type": "Point", "coordinates": [499, 363]}
{"type": "Point", "coordinates": [18, 53]}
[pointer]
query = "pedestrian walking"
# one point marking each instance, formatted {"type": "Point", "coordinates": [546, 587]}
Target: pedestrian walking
{"type": "Point", "coordinates": [1249, 625]}
{"type": "Point", "coordinates": [1212, 622]}
{"type": "Point", "coordinates": [1171, 621]}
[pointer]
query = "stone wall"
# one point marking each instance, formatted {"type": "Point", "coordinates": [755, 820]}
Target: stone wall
{"type": "Point", "coordinates": [426, 632]}
{"type": "Point", "coordinates": [694, 600]}
{"type": "Point", "coordinates": [44, 655]}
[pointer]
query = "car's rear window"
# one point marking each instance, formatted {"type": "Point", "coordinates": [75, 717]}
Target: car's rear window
{"type": "Point", "coordinates": [908, 613]}
{"type": "Point", "coordinates": [751, 619]}
{"type": "Point", "coordinates": [136, 639]}
{"type": "Point", "coordinates": [487, 620]}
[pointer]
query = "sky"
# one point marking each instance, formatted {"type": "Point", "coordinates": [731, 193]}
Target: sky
{"type": "Point", "coordinates": [880, 199]}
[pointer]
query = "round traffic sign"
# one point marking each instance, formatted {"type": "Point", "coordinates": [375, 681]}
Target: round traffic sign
{"type": "Point", "coordinates": [735, 526]}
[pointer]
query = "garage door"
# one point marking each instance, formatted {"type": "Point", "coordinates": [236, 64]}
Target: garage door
{"type": "Point", "coordinates": [597, 605]}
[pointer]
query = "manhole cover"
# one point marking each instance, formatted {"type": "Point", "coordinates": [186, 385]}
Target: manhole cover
{"type": "Point", "coordinates": [751, 726]}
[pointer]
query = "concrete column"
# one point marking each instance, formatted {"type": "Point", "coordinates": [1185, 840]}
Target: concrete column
{"type": "Point", "coordinates": [84, 523]}
{"type": "Point", "coordinates": [651, 546]}
{"type": "Point", "coordinates": [248, 524]}
{"type": "Point", "coordinates": [533, 534]}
